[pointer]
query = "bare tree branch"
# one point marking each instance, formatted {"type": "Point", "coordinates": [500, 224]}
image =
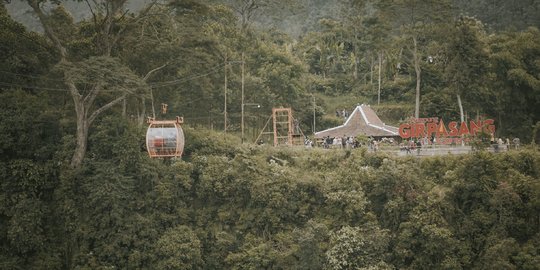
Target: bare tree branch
{"type": "Point", "coordinates": [94, 16]}
{"type": "Point", "coordinates": [104, 108]}
{"type": "Point", "coordinates": [153, 70]}
{"type": "Point", "coordinates": [90, 97]}
{"type": "Point", "coordinates": [139, 17]}
{"type": "Point", "coordinates": [34, 4]}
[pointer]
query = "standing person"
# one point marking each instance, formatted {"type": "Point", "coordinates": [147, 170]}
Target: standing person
{"type": "Point", "coordinates": [337, 142]}
{"type": "Point", "coordinates": [329, 142]}
{"type": "Point", "coordinates": [507, 144]}
{"type": "Point", "coordinates": [425, 141]}
{"type": "Point", "coordinates": [344, 141]}
{"type": "Point", "coordinates": [418, 147]}
{"type": "Point", "coordinates": [356, 143]}
{"type": "Point", "coordinates": [499, 144]}
{"type": "Point", "coordinates": [516, 142]}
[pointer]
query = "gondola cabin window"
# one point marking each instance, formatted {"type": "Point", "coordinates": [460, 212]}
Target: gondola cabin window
{"type": "Point", "coordinates": [165, 138]}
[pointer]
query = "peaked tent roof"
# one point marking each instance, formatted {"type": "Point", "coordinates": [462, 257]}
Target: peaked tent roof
{"type": "Point", "coordinates": [362, 121]}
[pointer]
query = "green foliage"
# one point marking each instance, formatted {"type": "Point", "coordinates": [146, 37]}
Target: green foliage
{"type": "Point", "coordinates": [255, 254]}
{"type": "Point", "coordinates": [206, 142]}
{"type": "Point", "coordinates": [390, 114]}
{"type": "Point", "coordinates": [481, 141]}
{"type": "Point", "coordinates": [117, 139]}
{"type": "Point", "coordinates": [105, 73]}
{"type": "Point", "coordinates": [29, 129]}
{"type": "Point", "coordinates": [178, 248]}
{"type": "Point", "coordinates": [501, 15]}
{"type": "Point", "coordinates": [529, 256]}
{"type": "Point", "coordinates": [233, 206]}
{"type": "Point", "coordinates": [357, 248]}
{"type": "Point", "coordinates": [255, 207]}
{"type": "Point", "coordinates": [513, 76]}
{"type": "Point", "coordinates": [25, 55]}
{"type": "Point", "coordinates": [468, 61]}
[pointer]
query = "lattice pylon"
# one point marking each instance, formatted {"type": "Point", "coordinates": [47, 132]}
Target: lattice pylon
{"type": "Point", "coordinates": [282, 118]}
{"type": "Point", "coordinates": [283, 130]}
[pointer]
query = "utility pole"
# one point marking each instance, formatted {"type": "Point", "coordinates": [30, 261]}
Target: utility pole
{"type": "Point", "coordinates": [314, 107]}
{"type": "Point", "coordinates": [225, 96]}
{"type": "Point", "coordinates": [242, 124]}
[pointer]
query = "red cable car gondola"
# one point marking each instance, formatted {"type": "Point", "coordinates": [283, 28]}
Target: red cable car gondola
{"type": "Point", "coordinates": [165, 138]}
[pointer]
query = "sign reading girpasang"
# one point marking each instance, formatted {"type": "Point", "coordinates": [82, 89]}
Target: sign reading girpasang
{"type": "Point", "coordinates": [454, 132]}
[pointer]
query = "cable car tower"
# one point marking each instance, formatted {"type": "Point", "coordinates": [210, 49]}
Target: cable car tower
{"type": "Point", "coordinates": [285, 129]}
{"type": "Point", "coordinates": [165, 138]}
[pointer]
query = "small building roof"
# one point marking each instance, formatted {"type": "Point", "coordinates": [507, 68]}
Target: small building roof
{"type": "Point", "coordinates": [362, 121]}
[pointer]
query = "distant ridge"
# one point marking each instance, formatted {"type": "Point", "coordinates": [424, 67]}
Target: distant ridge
{"type": "Point", "coordinates": [21, 12]}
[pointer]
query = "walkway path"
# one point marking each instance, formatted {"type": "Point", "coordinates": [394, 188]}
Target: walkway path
{"type": "Point", "coordinates": [438, 150]}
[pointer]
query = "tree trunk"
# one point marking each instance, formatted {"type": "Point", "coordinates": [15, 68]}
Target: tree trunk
{"type": "Point", "coordinates": [82, 142]}
{"type": "Point", "coordinates": [142, 112]}
{"type": "Point", "coordinates": [379, 91]}
{"type": "Point", "coordinates": [83, 104]}
{"type": "Point", "coordinates": [82, 126]}
{"type": "Point", "coordinates": [85, 118]}
{"type": "Point", "coordinates": [461, 115]}
{"type": "Point", "coordinates": [242, 109]}
{"type": "Point", "coordinates": [418, 71]}
{"type": "Point", "coordinates": [225, 98]}
{"type": "Point", "coordinates": [398, 63]}
{"type": "Point", "coordinates": [124, 107]}
{"type": "Point", "coordinates": [146, 77]}
{"type": "Point", "coordinates": [355, 73]}
{"type": "Point", "coordinates": [152, 101]}
{"type": "Point", "coordinates": [371, 70]}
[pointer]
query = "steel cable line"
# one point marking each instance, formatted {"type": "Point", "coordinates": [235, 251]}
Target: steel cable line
{"type": "Point", "coordinates": [54, 89]}
{"type": "Point", "coordinates": [181, 80]}
{"type": "Point", "coordinates": [213, 70]}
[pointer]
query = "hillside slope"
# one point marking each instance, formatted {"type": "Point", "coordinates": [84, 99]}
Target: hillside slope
{"type": "Point", "coordinates": [260, 207]}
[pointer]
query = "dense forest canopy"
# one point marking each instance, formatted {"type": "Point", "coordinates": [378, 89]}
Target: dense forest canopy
{"type": "Point", "coordinates": [78, 190]}
{"type": "Point", "coordinates": [302, 16]}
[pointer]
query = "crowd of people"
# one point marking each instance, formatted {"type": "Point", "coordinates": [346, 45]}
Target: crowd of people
{"type": "Point", "coordinates": [500, 144]}
{"type": "Point", "coordinates": [350, 142]}
{"type": "Point", "coordinates": [345, 142]}
{"type": "Point", "coordinates": [408, 146]}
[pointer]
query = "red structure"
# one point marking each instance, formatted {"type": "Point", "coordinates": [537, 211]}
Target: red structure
{"type": "Point", "coordinates": [165, 138]}
{"type": "Point", "coordinates": [285, 129]}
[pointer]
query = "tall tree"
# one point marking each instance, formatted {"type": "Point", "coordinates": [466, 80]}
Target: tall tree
{"type": "Point", "coordinates": [203, 41]}
{"type": "Point", "coordinates": [468, 59]}
{"type": "Point", "coordinates": [514, 72]}
{"type": "Point", "coordinates": [417, 19]}
{"type": "Point", "coordinates": [104, 33]}
{"type": "Point", "coordinates": [502, 15]}
{"type": "Point", "coordinates": [369, 33]}
{"type": "Point", "coordinates": [158, 48]}
{"type": "Point", "coordinates": [249, 10]}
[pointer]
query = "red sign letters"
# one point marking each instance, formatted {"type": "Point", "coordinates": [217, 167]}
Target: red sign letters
{"type": "Point", "coordinates": [431, 127]}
